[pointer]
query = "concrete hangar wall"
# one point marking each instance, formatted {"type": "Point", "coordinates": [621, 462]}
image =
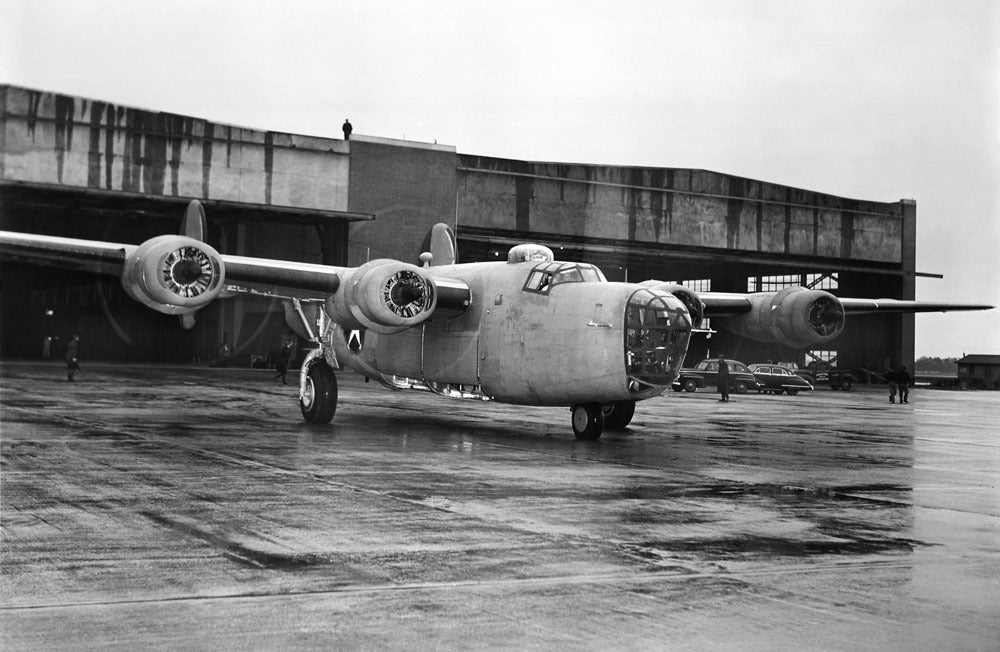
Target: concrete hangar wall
{"type": "Point", "coordinates": [85, 168]}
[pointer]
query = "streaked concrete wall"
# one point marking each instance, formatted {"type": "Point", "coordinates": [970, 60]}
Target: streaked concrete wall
{"type": "Point", "coordinates": [408, 186]}
{"type": "Point", "coordinates": [80, 143]}
{"type": "Point", "coordinates": [674, 206]}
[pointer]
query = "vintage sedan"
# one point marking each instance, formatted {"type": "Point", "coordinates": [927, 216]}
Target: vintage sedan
{"type": "Point", "coordinates": [706, 374]}
{"type": "Point", "coordinates": [773, 379]}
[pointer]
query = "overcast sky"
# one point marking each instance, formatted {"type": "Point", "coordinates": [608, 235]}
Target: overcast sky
{"type": "Point", "coordinates": [874, 99]}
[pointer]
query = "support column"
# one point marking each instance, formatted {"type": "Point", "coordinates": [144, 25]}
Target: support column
{"type": "Point", "coordinates": [907, 340]}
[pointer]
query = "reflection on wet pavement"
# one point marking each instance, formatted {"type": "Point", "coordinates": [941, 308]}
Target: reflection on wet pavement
{"type": "Point", "coordinates": [193, 508]}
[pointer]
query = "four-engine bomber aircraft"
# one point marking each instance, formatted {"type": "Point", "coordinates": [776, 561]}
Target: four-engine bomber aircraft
{"type": "Point", "coordinates": [530, 331]}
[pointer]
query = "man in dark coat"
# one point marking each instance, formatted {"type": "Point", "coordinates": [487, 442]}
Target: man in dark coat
{"type": "Point", "coordinates": [723, 381]}
{"type": "Point", "coordinates": [347, 129]}
{"type": "Point", "coordinates": [903, 381]}
{"type": "Point", "coordinates": [281, 362]}
{"type": "Point", "coordinates": [72, 350]}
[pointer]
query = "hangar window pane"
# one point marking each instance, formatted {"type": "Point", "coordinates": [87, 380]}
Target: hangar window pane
{"type": "Point", "coordinates": [698, 285]}
{"type": "Point", "coordinates": [822, 281]}
{"type": "Point", "coordinates": [821, 356]}
{"type": "Point", "coordinates": [815, 281]}
{"type": "Point", "coordinates": [775, 283]}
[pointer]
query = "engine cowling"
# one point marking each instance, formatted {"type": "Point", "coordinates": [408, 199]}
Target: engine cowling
{"type": "Point", "coordinates": [794, 317]}
{"type": "Point", "coordinates": [383, 295]}
{"type": "Point", "coordinates": [688, 297]}
{"type": "Point", "coordinates": [174, 274]}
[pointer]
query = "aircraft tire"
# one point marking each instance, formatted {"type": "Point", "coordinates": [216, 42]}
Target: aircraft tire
{"type": "Point", "coordinates": [618, 415]}
{"type": "Point", "coordinates": [588, 421]}
{"type": "Point", "coordinates": [320, 401]}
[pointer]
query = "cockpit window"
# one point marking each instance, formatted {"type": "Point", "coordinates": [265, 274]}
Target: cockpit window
{"type": "Point", "coordinates": [546, 275]}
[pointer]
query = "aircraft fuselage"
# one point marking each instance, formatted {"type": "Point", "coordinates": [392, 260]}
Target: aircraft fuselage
{"type": "Point", "coordinates": [540, 333]}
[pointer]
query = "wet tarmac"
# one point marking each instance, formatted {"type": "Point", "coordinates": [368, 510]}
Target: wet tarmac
{"type": "Point", "coordinates": [173, 508]}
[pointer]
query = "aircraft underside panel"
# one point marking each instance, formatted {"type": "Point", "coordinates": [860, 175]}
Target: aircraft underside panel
{"type": "Point", "coordinates": [426, 354]}
{"type": "Point", "coordinates": [451, 356]}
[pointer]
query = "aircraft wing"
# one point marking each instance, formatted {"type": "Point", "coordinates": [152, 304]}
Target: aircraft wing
{"type": "Point", "coordinates": [179, 274]}
{"type": "Point", "coordinates": [724, 304]}
{"type": "Point", "coordinates": [727, 304]}
{"type": "Point", "coordinates": [859, 306]}
{"type": "Point", "coordinates": [274, 277]}
{"type": "Point", "coordinates": [85, 255]}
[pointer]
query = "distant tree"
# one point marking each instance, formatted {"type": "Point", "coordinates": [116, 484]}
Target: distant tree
{"type": "Point", "coordinates": [937, 365]}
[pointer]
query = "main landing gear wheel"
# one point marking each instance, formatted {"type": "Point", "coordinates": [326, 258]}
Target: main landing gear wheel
{"type": "Point", "coordinates": [319, 402]}
{"type": "Point", "coordinates": [588, 420]}
{"type": "Point", "coordinates": [618, 415]}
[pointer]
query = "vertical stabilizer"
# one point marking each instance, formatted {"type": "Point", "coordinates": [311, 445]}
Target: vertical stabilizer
{"type": "Point", "coordinates": [194, 225]}
{"type": "Point", "coordinates": [442, 245]}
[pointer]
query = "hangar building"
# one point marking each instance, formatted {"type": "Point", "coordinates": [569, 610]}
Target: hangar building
{"type": "Point", "coordinates": [86, 168]}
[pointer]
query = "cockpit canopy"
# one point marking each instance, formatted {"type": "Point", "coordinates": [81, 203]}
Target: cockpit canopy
{"type": "Point", "coordinates": [546, 275]}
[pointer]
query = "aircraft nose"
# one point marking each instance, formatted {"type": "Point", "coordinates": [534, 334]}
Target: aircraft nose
{"type": "Point", "coordinates": [657, 331]}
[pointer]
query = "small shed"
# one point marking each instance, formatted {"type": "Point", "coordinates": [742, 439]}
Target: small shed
{"type": "Point", "coordinates": [980, 370]}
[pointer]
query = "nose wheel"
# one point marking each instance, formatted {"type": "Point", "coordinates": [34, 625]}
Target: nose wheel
{"type": "Point", "coordinates": [618, 415]}
{"type": "Point", "coordinates": [588, 421]}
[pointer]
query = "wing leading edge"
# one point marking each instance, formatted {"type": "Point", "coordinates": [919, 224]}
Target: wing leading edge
{"type": "Point", "coordinates": [727, 304]}
{"type": "Point", "coordinates": [263, 274]}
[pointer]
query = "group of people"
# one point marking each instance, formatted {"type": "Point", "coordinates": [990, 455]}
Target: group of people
{"type": "Point", "coordinates": [899, 382]}
{"type": "Point", "coordinates": [281, 359]}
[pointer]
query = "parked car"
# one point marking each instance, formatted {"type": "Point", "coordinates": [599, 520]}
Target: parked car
{"type": "Point", "coordinates": [823, 373]}
{"type": "Point", "coordinates": [706, 374]}
{"type": "Point", "coordinates": [775, 379]}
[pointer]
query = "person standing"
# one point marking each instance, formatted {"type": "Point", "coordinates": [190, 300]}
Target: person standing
{"type": "Point", "coordinates": [72, 353]}
{"type": "Point", "coordinates": [723, 382]}
{"type": "Point", "coordinates": [347, 129]}
{"type": "Point", "coordinates": [890, 377]}
{"type": "Point", "coordinates": [903, 381]}
{"type": "Point", "coordinates": [281, 362]}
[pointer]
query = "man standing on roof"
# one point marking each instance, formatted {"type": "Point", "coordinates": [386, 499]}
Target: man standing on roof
{"type": "Point", "coordinates": [347, 129]}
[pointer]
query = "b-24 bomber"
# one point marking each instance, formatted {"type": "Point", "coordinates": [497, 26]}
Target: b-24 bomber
{"type": "Point", "coordinates": [529, 330]}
